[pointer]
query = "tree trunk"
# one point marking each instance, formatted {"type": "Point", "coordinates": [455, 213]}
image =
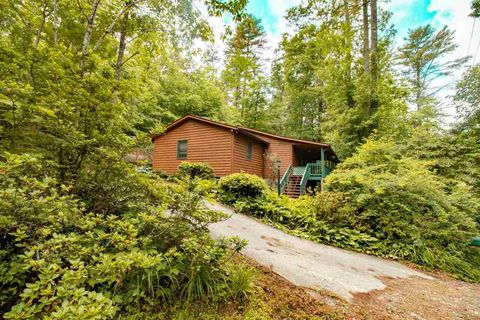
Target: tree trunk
{"type": "Point", "coordinates": [349, 58]}
{"type": "Point", "coordinates": [348, 42]}
{"type": "Point", "coordinates": [366, 41]}
{"type": "Point", "coordinates": [56, 23]}
{"type": "Point", "coordinates": [45, 14]}
{"type": "Point", "coordinates": [418, 87]}
{"type": "Point", "coordinates": [374, 40]}
{"type": "Point", "coordinates": [122, 45]}
{"type": "Point", "coordinates": [88, 33]}
{"type": "Point", "coordinates": [109, 30]}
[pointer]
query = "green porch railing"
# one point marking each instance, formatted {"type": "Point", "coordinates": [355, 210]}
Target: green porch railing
{"type": "Point", "coordinates": [312, 171]}
{"type": "Point", "coordinates": [305, 178]}
{"type": "Point", "coordinates": [315, 171]}
{"type": "Point", "coordinates": [284, 180]}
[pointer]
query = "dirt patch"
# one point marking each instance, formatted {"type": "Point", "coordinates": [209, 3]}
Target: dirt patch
{"type": "Point", "coordinates": [417, 298]}
{"type": "Point", "coordinates": [413, 298]}
{"type": "Point", "coordinates": [272, 241]}
{"type": "Point", "coordinates": [280, 299]}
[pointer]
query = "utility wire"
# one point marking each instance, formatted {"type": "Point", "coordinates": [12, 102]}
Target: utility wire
{"type": "Point", "coordinates": [471, 36]}
{"type": "Point", "coordinates": [476, 53]}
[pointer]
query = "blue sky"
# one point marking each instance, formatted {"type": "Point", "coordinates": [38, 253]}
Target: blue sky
{"type": "Point", "coordinates": [406, 14]}
{"type": "Point", "coordinates": [409, 15]}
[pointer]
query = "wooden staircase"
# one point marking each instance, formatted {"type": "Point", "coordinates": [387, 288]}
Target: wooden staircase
{"type": "Point", "coordinates": [292, 189]}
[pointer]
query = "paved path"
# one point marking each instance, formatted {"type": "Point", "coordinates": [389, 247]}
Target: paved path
{"type": "Point", "coordinates": [310, 264]}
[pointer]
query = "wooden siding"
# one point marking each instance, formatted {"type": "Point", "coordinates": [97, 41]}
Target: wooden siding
{"type": "Point", "coordinates": [282, 149]}
{"type": "Point", "coordinates": [240, 163]}
{"type": "Point", "coordinates": [206, 143]}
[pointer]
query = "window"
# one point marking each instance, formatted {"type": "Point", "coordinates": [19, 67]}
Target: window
{"type": "Point", "coordinates": [182, 149]}
{"type": "Point", "coordinates": [248, 153]}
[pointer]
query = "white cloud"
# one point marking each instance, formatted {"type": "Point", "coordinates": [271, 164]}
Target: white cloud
{"type": "Point", "coordinates": [455, 14]}
{"type": "Point", "coordinates": [273, 31]}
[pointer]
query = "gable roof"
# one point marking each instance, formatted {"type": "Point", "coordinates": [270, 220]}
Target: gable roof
{"type": "Point", "coordinates": [252, 133]}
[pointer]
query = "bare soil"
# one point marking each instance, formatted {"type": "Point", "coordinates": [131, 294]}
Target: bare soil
{"type": "Point", "coordinates": [416, 298]}
{"type": "Point", "coordinates": [412, 298]}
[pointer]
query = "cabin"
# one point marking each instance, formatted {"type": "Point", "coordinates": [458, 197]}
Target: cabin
{"type": "Point", "coordinates": [293, 164]}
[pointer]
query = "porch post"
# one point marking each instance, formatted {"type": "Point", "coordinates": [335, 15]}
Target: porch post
{"type": "Point", "coordinates": [322, 161]}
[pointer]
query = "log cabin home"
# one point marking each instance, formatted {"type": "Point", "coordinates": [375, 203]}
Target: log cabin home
{"type": "Point", "coordinates": [296, 164]}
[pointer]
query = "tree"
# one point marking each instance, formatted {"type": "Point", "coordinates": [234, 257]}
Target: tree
{"type": "Point", "coordinates": [423, 58]}
{"type": "Point", "coordinates": [243, 76]}
{"type": "Point", "coordinates": [468, 96]}
{"type": "Point", "coordinates": [374, 40]}
{"type": "Point", "coordinates": [366, 37]}
{"type": "Point", "coordinates": [475, 8]}
{"type": "Point", "coordinates": [92, 67]}
{"type": "Point", "coordinates": [321, 90]}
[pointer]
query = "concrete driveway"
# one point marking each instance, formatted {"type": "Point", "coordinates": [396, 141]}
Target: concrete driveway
{"type": "Point", "coordinates": [310, 264]}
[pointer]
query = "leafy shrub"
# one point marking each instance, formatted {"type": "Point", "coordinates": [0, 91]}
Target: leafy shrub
{"type": "Point", "coordinates": [60, 259]}
{"type": "Point", "coordinates": [114, 187]}
{"type": "Point", "coordinates": [241, 185]}
{"type": "Point", "coordinates": [240, 280]}
{"type": "Point", "coordinates": [417, 215]}
{"type": "Point", "coordinates": [296, 216]}
{"type": "Point", "coordinates": [397, 198]}
{"type": "Point", "coordinates": [195, 170]}
{"type": "Point", "coordinates": [380, 202]}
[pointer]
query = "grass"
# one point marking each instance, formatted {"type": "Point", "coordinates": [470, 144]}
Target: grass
{"type": "Point", "coordinates": [271, 297]}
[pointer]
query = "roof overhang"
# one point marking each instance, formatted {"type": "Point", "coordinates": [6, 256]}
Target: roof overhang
{"type": "Point", "coordinates": [284, 138]}
{"type": "Point", "coordinates": [251, 133]}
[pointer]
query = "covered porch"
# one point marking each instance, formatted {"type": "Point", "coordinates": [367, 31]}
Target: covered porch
{"type": "Point", "coordinates": [311, 164]}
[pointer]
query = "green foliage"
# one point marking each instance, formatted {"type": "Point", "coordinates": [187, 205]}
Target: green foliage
{"type": "Point", "coordinates": [195, 170]}
{"type": "Point", "coordinates": [321, 89]}
{"type": "Point", "coordinates": [398, 198]}
{"type": "Point", "coordinates": [64, 258]}
{"type": "Point", "coordinates": [381, 202]}
{"type": "Point", "coordinates": [418, 215]}
{"type": "Point", "coordinates": [468, 97]}
{"type": "Point", "coordinates": [243, 78]}
{"type": "Point", "coordinates": [241, 185]}
{"type": "Point", "coordinates": [475, 8]}
{"type": "Point", "coordinates": [422, 57]}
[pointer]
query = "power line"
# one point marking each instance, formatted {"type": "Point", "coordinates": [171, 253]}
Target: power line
{"type": "Point", "coordinates": [476, 53]}
{"type": "Point", "coordinates": [471, 36]}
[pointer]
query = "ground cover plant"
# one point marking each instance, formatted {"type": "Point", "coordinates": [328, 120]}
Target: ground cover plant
{"type": "Point", "coordinates": [61, 259]}
{"type": "Point", "coordinates": [378, 202]}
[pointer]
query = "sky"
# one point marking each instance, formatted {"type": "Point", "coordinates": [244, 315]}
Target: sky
{"type": "Point", "coordinates": [407, 14]}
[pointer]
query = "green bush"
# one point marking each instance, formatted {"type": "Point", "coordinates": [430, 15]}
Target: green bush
{"type": "Point", "coordinates": [65, 257]}
{"type": "Point", "coordinates": [195, 170]}
{"type": "Point", "coordinates": [241, 185]}
{"type": "Point", "coordinates": [397, 198]}
{"type": "Point", "coordinates": [416, 214]}
{"type": "Point", "coordinates": [379, 202]}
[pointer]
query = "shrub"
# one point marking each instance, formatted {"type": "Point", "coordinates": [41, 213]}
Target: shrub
{"type": "Point", "coordinates": [195, 170]}
{"type": "Point", "coordinates": [397, 198]}
{"type": "Point", "coordinates": [60, 259]}
{"type": "Point", "coordinates": [416, 214]}
{"type": "Point", "coordinates": [380, 202]}
{"type": "Point", "coordinates": [241, 185]}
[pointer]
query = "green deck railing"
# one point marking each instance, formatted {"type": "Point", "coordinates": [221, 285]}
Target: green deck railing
{"type": "Point", "coordinates": [315, 171]}
{"type": "Point", "coordinates": [284, 180]}
{"type": "Point", "coordinates": [312, 171]}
